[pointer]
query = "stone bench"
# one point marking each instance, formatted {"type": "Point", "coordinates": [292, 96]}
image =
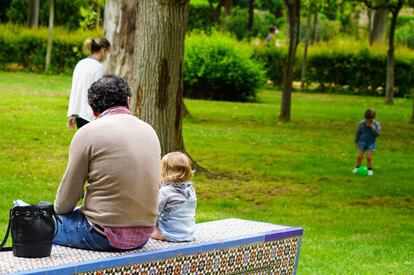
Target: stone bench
{"type": "Point", "coordinates": [224, 246]}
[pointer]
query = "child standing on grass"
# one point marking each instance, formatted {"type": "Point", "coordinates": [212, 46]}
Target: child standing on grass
{"type": "Point", "coordinates": [177, 200]}
{"type": "Point", "coordinates": [365, 140]}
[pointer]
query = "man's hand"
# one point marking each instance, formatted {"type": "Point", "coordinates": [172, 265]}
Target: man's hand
{"type": "Point", "coordinates": [71, 123]}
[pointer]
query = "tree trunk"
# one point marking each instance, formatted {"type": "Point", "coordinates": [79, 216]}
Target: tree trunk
{"type": "Point", "coordinates": [98, 15]}
{"type": "Point", "coordinates": [379, 26]}
{"type": "Point", "coordinates": [355, 22]}
{"type": "Point", "coordinates": [33, 15]}
{"type": "Point", "coordinates": [294, 24]}
{"type": "Point", "coordinates": [250, 19]}
{"type": "Point", "coordinates": [315, 27]}
{"type": "Point", "coordinates": [305, 53]}
{"type": "Point", "coordinates": [161, 27]}
{"type": "Point", "coordinates": [216, 11]}
{"type": "Point", "coordinates": [370, 20]}
{"type": "Point", "coordinates": [227, 7]}
{"type": "Point", "coordinates": [389, 91]}
{"type": "Point", "coordinates": [120, 29]}
{"type": "Point", "coordinates": [50, 34]}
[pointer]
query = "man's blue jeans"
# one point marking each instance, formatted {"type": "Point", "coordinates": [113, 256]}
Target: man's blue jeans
{"type": "Point", "coordinates": [75, 231]}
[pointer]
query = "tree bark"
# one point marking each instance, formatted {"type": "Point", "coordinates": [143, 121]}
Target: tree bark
{"type": "Point", "coordinates": [98, 15]}
{"type": "Point", "coordinates": [389, 91]}
{"type": "Point", "coordinates": [161, 27]}
{"type": "Point", "coordinates": [147, 38]}
{"type": "Point", "coordinates": [294, 24]}
{"type": "Point", "coordinates": [120, 23]}
{"type": "Point", "coordinates": [315, 28]}
{"type": "Point", "coordinates": [50, 34]}
{"type": "Point", "coordinates": [370, 19]}
{"type": "Point", "coordinates": [228, 7]}
{"type": "Point", "coordinates": [250, 20]}
{"type": "Point", "coordinates": [33, 15]}
{"type": "Point", "coordinates": [305, 53]}
{"type": "Point", "coordinates": [379, 26]}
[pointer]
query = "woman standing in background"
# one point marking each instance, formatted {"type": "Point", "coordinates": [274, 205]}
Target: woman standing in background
{"type": "Point", "coordinates": [86, 72]}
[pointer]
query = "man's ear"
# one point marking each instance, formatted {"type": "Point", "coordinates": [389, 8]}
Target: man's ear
{"type": "Point", "coordinates": [129, 103]}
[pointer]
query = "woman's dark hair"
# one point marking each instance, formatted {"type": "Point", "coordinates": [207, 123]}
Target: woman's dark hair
{"type": "Point", "coordinates": [370, 114]}
{"type": "Point", "coordinates": [95, 45]}
{"type": "Point", "coordinates": [109, 91]}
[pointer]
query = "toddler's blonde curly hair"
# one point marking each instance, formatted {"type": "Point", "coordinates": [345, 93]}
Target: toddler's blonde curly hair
{"type": "Point", "coordinates": [176, 168]}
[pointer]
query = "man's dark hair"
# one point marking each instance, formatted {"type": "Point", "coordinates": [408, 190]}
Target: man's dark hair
{"type": "Point", "coordinates": [109, 91]}
{"type": "Point", "coordinates": [370, 114]}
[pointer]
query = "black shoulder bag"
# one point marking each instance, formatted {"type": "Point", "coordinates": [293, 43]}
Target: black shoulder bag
{"type": "Point", "coordinates": [32, 229]}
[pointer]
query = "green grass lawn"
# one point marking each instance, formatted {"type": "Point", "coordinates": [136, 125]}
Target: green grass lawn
{"type": "Point", "coordinates": [296, 173]}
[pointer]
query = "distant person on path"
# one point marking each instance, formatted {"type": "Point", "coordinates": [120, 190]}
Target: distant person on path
{"type": "Point", "coordinates": [271, 37]}
{"type": "Point", "coordinates": [118, 156]}
{"type": "Point", "coordinates": [177, 200]}
{"type": "Point", "coordinates": [86, 72]}
{"type": "Point", "coordinates": [365, 139]}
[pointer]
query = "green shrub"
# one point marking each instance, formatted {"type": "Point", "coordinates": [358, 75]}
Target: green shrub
{"type": "Point", "coordinates": [403, 19]}
{"type": "Point", "coordinates": [220, 68]}
{"type": "Point", "coordinates": [358, 68]}
{"type": "Point", "coordinates": [68, 12]}
{"type": "Point", "coordinates": [343, 66]}
{"type": "Point", "coordinates": [199, 16]}
{"type": "Point", "coordinates": [327, 29]}
{"type": "Point", "coordinates": [27, 47]}
{"type": "Point", "coordinates": [404, 35]}
{"type": "Point", "coordinates": [274, 59]}
{"type": "Point", "coordinates": [237, 23]}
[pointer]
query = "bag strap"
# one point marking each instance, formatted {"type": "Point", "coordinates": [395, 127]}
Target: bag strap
{"type": "Point", "coordinates": [2, 248]}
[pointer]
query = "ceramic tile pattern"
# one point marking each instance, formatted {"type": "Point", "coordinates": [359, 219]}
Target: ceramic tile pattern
{"type": "Point", "coordinates": [276, 257]}
{"type": "Point", "coordinates": [205, 233]}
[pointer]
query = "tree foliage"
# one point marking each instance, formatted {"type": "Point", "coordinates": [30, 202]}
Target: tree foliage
{"type": "Point", "coordinates": [69, 13]}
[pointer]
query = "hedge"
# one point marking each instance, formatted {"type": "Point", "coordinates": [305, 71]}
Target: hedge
{"type": "Point", "coordinates": [349, 66]}
{"type": "Point", "coordinates": [199, 16]}
{"type": "Point", "coordinates": [27, 48]}
{"type": "Point", "coordinates": [343, 67]}
{"type": "Point", "coordinates": [218, 67]}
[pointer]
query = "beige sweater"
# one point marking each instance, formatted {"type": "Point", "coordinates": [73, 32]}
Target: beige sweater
{"type": "Point", "coordinates": [119, 156]}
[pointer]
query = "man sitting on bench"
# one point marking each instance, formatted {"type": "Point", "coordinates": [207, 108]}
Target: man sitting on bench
{"type": "Point", "coordinates": [118, 156]}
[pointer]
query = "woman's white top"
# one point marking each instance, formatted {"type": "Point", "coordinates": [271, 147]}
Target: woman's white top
{"type": "Point", "coordinates": [86, 72]}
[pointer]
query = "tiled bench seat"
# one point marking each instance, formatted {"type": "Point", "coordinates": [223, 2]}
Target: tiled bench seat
{"type": "Point", "coordinates": [221, 247]}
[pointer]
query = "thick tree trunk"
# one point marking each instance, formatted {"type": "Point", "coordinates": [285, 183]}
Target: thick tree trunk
{"type": "Point", "coordinates": [315, 28]}
{"type": "Point", "coordinates": [161, 27]}
{"type": "Point", "coordinates": [228, 7]}
{"type": "Point", "coordinates": [305, 53]}
{"type": "Point", "coordinates": [120, 29]}
{"type": "Point", "coordinates": [294, 24]}
{"type": "Point", "coordinates": [250, 19]}
{"type": "Point", "coordinates": [379, 26]}
{"type": "Point", "coordinates": [50, 34]}
{"type": "Point", "coordinates": [33, 15]}
{"type": "Point", "coordinates": [147, 38]}
{"type": "Point", "coordinates": [389, 91]}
